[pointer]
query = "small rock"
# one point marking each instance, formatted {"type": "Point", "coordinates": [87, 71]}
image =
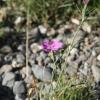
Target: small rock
{"type": "Point", "coordinates": [21, 48]}
{"type": "Point", "coordinates": [5, 68]}
{"type": "Point", "coordinates": [51, 32]}
{"type": "Point", "coordinates": [34, 32]}
{"type": "Point", "coordinates": [75, 21]}
{"type": "Point", "coordinates": [39, 60]}
{"type": "Point", "coordinates": [29, 79]}
{"type": "Point", "coordinates": [72, 68]}
{"type": "Point", "coordinates": [20, 58]}
{"type": "Point", "coordinates": [19, 87]}
{"type": "Point", "coordinates": [96, 73]}
{"type": "Point", "coordinates": [42, 73]}
{"type": "Point", "coordinates": [85, 69]}
{"type": "Point", "coordinates": [23, 70]}
{"type": "Point", "coordinates": [98, 57]}
{"type": "Point", "coordinates": [18, 20]}
{"type": "Point", "coordinates": [61, 30]}
{"type": "Point", "coordinates": [6, 49]}
{"type": "Point", "coordinates": [32, 59]}
{"type": "Point", "coordinates": [9, 79]}
{"type": "Point", "coordinates": [74, 51]}
{"type": "Point", "coordinates": [35, 47]}
{"type": "Point", "coordinates": [20, 97]}
{"type": "Point", "coordinates": [86, 27]}
{"type": "Point", "coordinates": [42, 29]}
{"type": "Point", "coordinates": [43, 55]}
{"type": "Point", "coordinates": [8, 58]}
{"type": "Point", "coordinates": [19, 61]}
{"type": "Point", "coordinates": [17, 97]}
{"type": "Point", "coordinates": [47, 60]}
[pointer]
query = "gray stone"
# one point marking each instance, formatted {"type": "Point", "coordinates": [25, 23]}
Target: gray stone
{"type": "Point", "coordinates": [43, 55]}
{"type": "Point", "coordinates": [75, 21]}
{"type": "Point", "coordinates": [9, 79]}
{"type": "Point", "coordinates": [20, 97]}
{"type": "Point", "coordinates": [8, 58]}
{"type": "Point", "coordinates": [21, 48]}
{"type": "Point", "coordinates": [19, 61]}
{"type": "Point", "coordinates": [29, 79]}
{"type": "Point", "coordinates": [39, 60]}
{"type": "Point", "coordinates": [5, 68]}
{"type": "Point", "coordinates": [86, 27]}
{"type": "Point", "coordinates": [35, 47]}
{"type": "Point", "coordinates": [42, 73]}
{"type": "Point", "coordinates": [19, 87]}
{"type": "Point", "coordinates": [72, 68]}
{"type": "Point", "coordinates": [20, 58]}
{"type": "Point", "coordinates": [98, 57]}
{"type": "Point", "coordinates": [96, 73]}
{"type": "Point", "coordinates": [6, 49]}
{"type": "Point", "coordinates": [51, 32]}
{"type": "Point", "coordinates": [18, 20]}
{"type": "Point", "coordinates": [42, 29]}
{"type": "Point", "coordinates": [61, 30]}
{"type": "Point", "coordinates": [33, 33]}
{"type": "Point", "coordinates": [47, 60]}
{"type": "Point", "coordinates": [74, 51]}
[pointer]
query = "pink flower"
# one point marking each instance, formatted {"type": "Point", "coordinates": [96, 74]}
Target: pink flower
{"type": "Point", "coordinates": [85, 2]}
{"type": "Point", "coordinates": [52, 45]}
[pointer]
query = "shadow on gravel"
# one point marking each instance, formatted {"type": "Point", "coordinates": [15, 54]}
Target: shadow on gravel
{"type": "Point", "coordinates": [6, 93]}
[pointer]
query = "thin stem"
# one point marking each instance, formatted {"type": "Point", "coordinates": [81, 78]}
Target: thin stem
{"type": "Point", "coordinates": [27, 39]}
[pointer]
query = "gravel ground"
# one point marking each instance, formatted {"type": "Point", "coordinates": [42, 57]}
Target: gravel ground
{"type": "Point", "coordinates": [85, 56]}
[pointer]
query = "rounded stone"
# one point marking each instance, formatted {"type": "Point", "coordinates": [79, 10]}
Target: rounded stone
{"type": "Point", "coordinates": [5, 68]}
{"type": "Point", "coordinates": [9, 79]}
{"type": "Point", "coordinates": [19, 87]}
{"type": "Point", "coordinates": [42, 73]}
{"type": "Point", "coordinates": [6, 49]}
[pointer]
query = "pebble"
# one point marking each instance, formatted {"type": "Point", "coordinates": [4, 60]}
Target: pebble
{"type": "Point", "coordinates": [35, 47]}
{"type": "Point", "coordinates": [96, 73]}
{"type": "Point", "coordinates": [8, 58]}
{"type": "Point", "coordinates": [20, 58]}
{"type": "Point", "coordinates": [29, 79]}
{"type": "Point", "coordinates": [42, 29]}
{"type": "Point", "coordinates": [74, 51]}
{"type": "Point", "coordinates": [75, 21]}
{"type": "Point", "coordinates": [18, 20]}
{"type": "Point", "coordinates": [34, 32]}
{"type": "Point", "coordinates": [98, 57]}
{"type": "Point", "coordinates": [61, 30]}
{"type": "Point", "coordinates": [86, 27]}
{"type": "Point", "coordinates": [9, 79]}
{"type": "Point", "coordinates": [47, 60]}
{"type": "Point", "coordinates": [6, 49]}
{"type": "Point", "coordinates": [51, 32]}
{"type": "Point", "coordinates": [21, 47]}
{"type": "Point", "coordinates": [42, 73]}
{"type": "Point", "coordinates": [39, 60]}
{"type": "Point", "coordinates": [71, 69]}
{"type": "Point", "coordinates": [19, 87]}
{"type": "Point", "coordinates": [5, 68]}
{"type": "Point", "coordinates": [43, 55]}
{"type": "Point", "coordinates": [19, 61]}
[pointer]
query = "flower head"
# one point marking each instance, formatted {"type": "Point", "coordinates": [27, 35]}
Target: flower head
{"type": "Point", "coordinates": [52, 45]}
{"type": "Point", "coordinates": [85, 2]}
